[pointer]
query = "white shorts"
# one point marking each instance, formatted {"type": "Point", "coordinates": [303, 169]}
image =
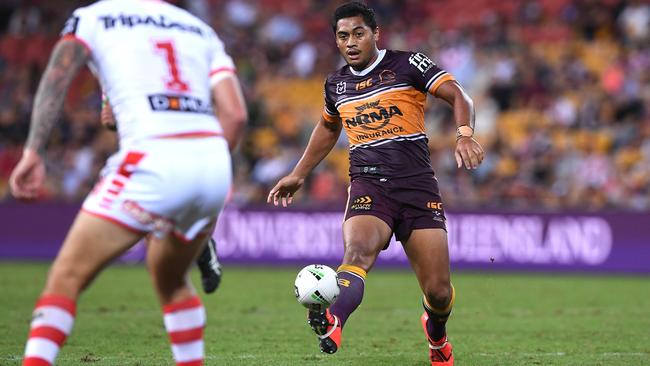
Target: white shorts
{"type": "Point", "coordinates": [164, 186]}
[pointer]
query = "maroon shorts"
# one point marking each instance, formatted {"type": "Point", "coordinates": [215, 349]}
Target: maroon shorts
{"type": "Point", "coordinates": [405, 204]}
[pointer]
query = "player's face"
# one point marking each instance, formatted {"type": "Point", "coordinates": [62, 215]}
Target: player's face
{"type": "Point", "coordinates": [356, 42]}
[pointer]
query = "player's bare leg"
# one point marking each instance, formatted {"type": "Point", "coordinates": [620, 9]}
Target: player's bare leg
{"type": "Point", "coordinates": [169, 261]}
{"type": "Point", "coordinates": [91, 244]}
{"type": "Point", "coordinates": [429, 256]}
{"type": "Point", "coordinates": [364, 237]}
{"type": "Point", "coordinates": [208, 264]}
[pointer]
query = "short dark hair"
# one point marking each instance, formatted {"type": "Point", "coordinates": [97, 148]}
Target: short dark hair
{"type": "Point", "coordinates": [353, 9]}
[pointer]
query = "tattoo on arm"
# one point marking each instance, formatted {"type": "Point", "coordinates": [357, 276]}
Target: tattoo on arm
{"type": "Point", "coordinates": [66, 60]}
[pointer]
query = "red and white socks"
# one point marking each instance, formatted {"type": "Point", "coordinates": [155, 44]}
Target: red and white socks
{"type": "Point", "coordinates": [52, 322]}
{"type": "Point", "coordinates": [54, 316]}
{"type": "Point", "coordinates": [184, 321]}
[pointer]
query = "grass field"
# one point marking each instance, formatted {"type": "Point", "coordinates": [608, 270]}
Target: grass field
{"type": "Point", "coordinates": [253, 319]}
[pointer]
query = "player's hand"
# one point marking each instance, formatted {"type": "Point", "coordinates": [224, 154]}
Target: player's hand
{"type": "Point", "coordinates": [107, 117]}
{"type": "Point", "coordinates": [28, 176]}
{"type": "Point", "coordinates": [468, 152]}
{"type": "Point", "coordinates": [284, 190]}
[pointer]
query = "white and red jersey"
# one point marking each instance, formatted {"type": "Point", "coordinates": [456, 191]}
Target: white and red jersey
{"type": "Point", "coordinates": [154, 62]}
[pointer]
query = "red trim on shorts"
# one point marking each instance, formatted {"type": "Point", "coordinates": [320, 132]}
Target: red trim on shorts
{"type": "Point", "coordinates": [198, 362]}
{"type": "Point", "coordinates": [221, 69]}
{"type": "Point", "coordinates": [185, 336]}
{"type": "Point", "coordinates": [49, 333]}
{"type": "Point", "coordinates": [193, 134]}
{"type": "Point", "coordinates": [35, 361]}
{"type": "Point", "coordinates": [117, 183]}
{"type": "Point", "coordinates": [59, 301]}
{"type": "Point", "coordinates": [192, 302]}
{"type": "Point", "coordinates": [72, 37]}
{"type": "Point", "coordinates": [115, 221]}
{"type": "Point", "coordinates": [181, 237]}
{"type": "Point", "coordinates": [202, 234]}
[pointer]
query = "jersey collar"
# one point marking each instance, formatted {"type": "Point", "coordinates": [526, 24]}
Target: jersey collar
{"type": "Point", "coordinates": [365, 71]}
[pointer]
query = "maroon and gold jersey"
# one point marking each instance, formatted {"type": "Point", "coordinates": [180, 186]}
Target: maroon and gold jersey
{"type": "Point", "coordinates": [382, 111]}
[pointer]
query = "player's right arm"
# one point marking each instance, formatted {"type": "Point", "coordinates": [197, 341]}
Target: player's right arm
{"type": "Point", "coordinates": [322, 140]}
{"type": "Point", "coordinates": [66, 60]}
{"type": "Point", "coordinates": [231, 108]}
{"type": "Point", "coordinates": [227, 95]}
{"type": "Point", "coordinates": [107, 117]}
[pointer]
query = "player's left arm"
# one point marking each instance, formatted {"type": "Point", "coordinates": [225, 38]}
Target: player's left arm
{"type": "Point", "coordinates": [468, 151]}
{"type": "Point", "coordinates": [67, 58]}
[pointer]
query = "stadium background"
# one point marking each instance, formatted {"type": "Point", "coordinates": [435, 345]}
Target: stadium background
{"type": "Point", "coordinates": [562, 90]}
{"type": "Point", "coordinates": [562, 93]}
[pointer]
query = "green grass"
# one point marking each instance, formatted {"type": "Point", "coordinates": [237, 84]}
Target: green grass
{"type": "Point", "coordinates": [253, 319]}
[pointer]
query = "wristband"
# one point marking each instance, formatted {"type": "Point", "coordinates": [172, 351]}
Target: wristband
{"type": "Point", "coordinates": [464, 131]}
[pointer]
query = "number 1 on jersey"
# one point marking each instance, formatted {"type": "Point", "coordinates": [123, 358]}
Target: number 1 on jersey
{"type": "Point", "coordinates": [175, 84]}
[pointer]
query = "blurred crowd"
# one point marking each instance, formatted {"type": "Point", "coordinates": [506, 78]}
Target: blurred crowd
{"type": "Point", "coordinates": [561, 89]}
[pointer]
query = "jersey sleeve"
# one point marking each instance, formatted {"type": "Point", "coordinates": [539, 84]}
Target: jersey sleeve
{"type": "Point", "coordinates": [80, 27]}
{"type": "Point", "coordinates": [330, 113]}
{"type": "Point", "coordinates": [221, 64]}
{"type": "Point", "coordinates": [426, 75]}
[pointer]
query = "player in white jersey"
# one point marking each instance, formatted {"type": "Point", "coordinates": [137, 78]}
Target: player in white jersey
{"type": "Point", "coordinates": [167, 75]}
{"type": "Point", "coordinates": [207, 261]}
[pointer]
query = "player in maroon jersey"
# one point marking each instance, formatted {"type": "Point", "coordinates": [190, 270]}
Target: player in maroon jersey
{"type": "Point", "coordinates": [379, 97]}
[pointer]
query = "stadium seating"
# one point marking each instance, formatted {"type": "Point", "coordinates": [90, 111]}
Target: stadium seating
{"type": "Point", "coordinates": [561, 89]}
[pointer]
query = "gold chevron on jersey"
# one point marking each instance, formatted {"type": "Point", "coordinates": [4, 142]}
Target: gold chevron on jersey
{"type": "Point", "coordinates": [383, 115]}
